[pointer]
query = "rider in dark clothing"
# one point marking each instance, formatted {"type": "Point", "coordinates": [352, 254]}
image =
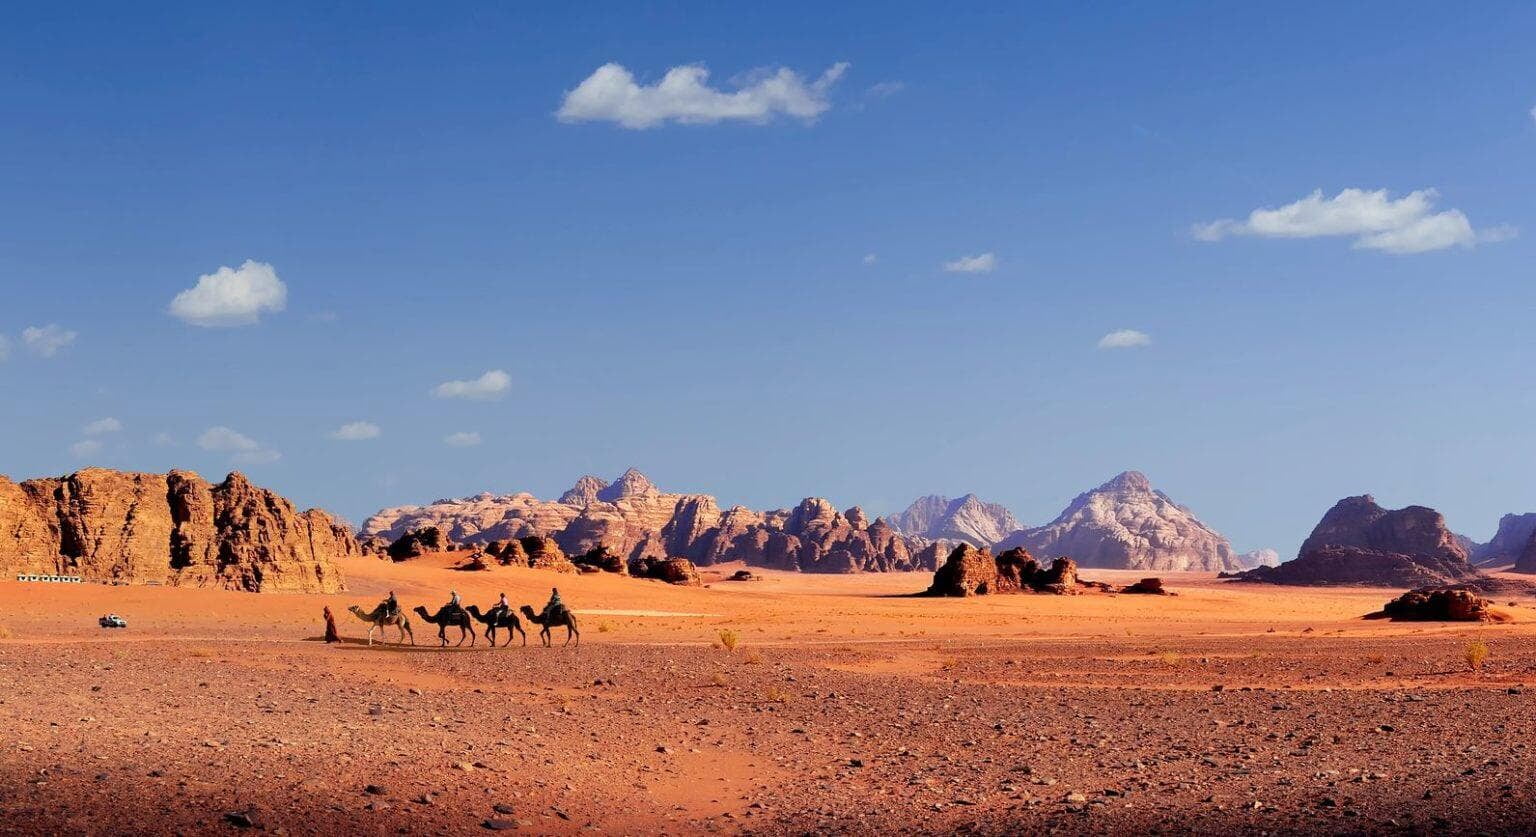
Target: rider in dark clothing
{"type": "Point", "coordinates": [391, 607]}
{"type": "Point", "coordinates": [555, 606]}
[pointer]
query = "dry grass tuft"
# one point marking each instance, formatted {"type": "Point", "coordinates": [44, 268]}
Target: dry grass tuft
{"type": "Point", "coordinates": [728, 639]}
{"type": "Point", "coordinates": [1170, 658]}
{"type": "Point", "coordinates": [5, 633]}
{"type": "Point", "coordinates": [605, 627]}
{"type": "Point", "coordinates": [719, 681]}
{"type": "Point", "coordinates": [1476, 652]}
{"type": "Point", "coordinates": [776, 695]}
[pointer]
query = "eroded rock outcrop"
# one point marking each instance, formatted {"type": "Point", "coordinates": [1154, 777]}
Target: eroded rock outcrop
{"type": "Point", "coordinates": [418, 542]}
{"type": "Point", "coordinates": [172, 528]}
{"type": "Point", "coordinates": [1438, 604]}
{"type": "Point", "coordinates": [1359, 543]}
{"type": "Point", "coordinates": [970, 571]}
{"type": "Point", "coordinates": [671, 570]}
{"type": "Point", "coordinates": [1127, 524]}
{"type": "Point", "coordinates": [1509, 543]}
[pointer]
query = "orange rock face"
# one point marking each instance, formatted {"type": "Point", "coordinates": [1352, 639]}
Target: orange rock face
{"type": "Point", "coordinates": [171, 528]}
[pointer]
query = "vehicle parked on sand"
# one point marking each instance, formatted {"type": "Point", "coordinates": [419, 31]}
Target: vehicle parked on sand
{"type": "Point", "coordinates": [112, 620]}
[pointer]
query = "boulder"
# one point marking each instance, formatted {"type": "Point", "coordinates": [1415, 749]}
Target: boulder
{"type": "Point", "coordinates": [1017, 570]}
{"type": "Point", "coordinates": [1147, 586]}
{"type": "Point", "coordinates": [670, 570]}
{"type": "Point", "coordinates": [599, 558]}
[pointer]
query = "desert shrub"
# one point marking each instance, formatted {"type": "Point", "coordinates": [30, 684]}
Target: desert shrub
{"type": "Point", "coordinates": [728, 639]}
{"type": "Point", "coordinates": [776, 694]}
{"type": "Point", "coordinates": [1476, 652]}
{"type": "Point", "coordinates": [604, 627]}
{"type": "Point", "coordinates": [1375, 659]}
{"type": "Point", "coordinates": [1170, 658]}
{"type": "Point", "coordinates": [5, 633]}
{"type": "Point", "coordinates": [200, 653]}
{"type": "Point", "coordinates": [754, 658]}
{"type": "Point", "coordinates": [719, 681]}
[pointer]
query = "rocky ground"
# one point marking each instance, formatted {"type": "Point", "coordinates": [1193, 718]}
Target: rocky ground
{"type": "Point", "coordinates": [1288, 727]}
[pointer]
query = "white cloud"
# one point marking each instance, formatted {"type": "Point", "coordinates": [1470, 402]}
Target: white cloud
{"type": "Point", "coordinates": [46, 341]}
{"type": "Point", "coordinates": [884, 89]}
{"type": "Point", "coordinates": [462, 440]}
{"type": "Point", "coordinates": [232, 296]}
{"type": "Point", "coordinates": [1533, 114]}
{"type": "Point", "coordinates": [1376, 221]}
{"type": "Point", "coordinates": [984, 263]}
{"type": "Point", "coordinates": [683, 95]}
{"type": "Point", "coordinates": [242, 448]}
{"type": "Point", "coordinates": [85, 449]}
{"type": "Point", "coordinates": [870, 258]}
{"type": "Point", "coordinates": [493, 384]}
{"type": "Point", "coordinates": [1125, 338]}
{"type": "Point", "coordinates": [356, 431]}
{"type": "Point", "coordinates": [103, 425]}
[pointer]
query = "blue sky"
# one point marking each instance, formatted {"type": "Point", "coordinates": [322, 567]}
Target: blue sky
{"type": "Point", "coordinates": [696, 297]}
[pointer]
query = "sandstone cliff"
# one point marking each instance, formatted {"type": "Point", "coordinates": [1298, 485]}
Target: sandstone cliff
{"type": "Point", "coordinates": [966, 519]}
{"type": "Point", "coordinates": [1127, 524]}
{"type": "Point", "coordinates": [171, 528]}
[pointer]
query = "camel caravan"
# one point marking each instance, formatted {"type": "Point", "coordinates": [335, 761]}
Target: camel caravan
{"type": "Point", "coordinates": [454, 614]}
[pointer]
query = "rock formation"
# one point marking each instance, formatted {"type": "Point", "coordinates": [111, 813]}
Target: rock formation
{"type": "Point", "coordinates": [631, 518]}
{"type": "Point", "coordinates": [1127, 524]}
{"type": "Point", "coordinates": [970, 571]}
{"type": "Point", "coordinates": [416, 543]}
{"type": "Point", "coordinates": [1437, 604]}
{"type": "Point", "coordinates": [1359, 543]}
{"type": "Point", "coordinates": [171, 528]}
{"type": "Point", "coordinates": [1509, 542]}
{"type": "Point", "coordinates": [966, 519]}
{"type": "Point", "coordinates": [671, 570]}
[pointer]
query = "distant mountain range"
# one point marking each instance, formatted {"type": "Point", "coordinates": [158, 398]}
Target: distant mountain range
{"type": "Point", "coordinates": [1124, 523]}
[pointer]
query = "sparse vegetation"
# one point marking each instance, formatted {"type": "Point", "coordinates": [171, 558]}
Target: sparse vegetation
{"type": "Point", "coordinates": [1375, 659]}
{"type": "Point", "coordinates": [5, 633]}
{"type": "Point", "coordinates": [729, 640]}
{"type": "Point", "coordinates": [604, 627]}
{"type": "Point", "coordinates": [754, 658]}
{"type": "Point", "coordinates": [776, 694]}
{"type": "Point", "coordinates": [200, 653]}
{"type": "Point", "coordinates": [1476, 653]}
{"type": "Point", "coordinates": [1170, 658]}
{"type": "Point", "coordinates": [719, 680]}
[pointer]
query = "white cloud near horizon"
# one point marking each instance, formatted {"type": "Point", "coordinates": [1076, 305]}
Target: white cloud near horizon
{"type": "Point", "coordinates": [1400, 226]}
{"type": "Point", "coordinates": [683, 96]}
{"type": "Point", "coordinates": [871, 258]}
{"type": "Point", "coordinates": [356, 431]}
{"type": "Point", "coordinates": [241, 448]}
{"type": "Point", "coordinates": [983, 263]}
{"type": "Point", "coordinates": [46, 341]}
{"type": "Point", "coordinates": [85, 448]}
{"type": "Point", "coordinates": [231, 296]}
{"type": "Point", "coordinates": [492, 385]}
{"type": "Point", "coordinates": [102, 425]}
{"type": "Point", "coordinates": [1125, 338]}
{"type": "Point", "coordinates": [462, 439]}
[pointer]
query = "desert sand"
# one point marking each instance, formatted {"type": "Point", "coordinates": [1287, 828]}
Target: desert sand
{"type": "Point", "coordinates": [846, 706]}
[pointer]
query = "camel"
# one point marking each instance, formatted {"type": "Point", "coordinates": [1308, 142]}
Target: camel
{"type": "Point", "coordinates": [446, 616]}
{"type": "Point", "coordinates": [506, 620]}
{"type": "Point", "coordinates": [377, 620]}
{"type": "Point", "coordinates": [564, 617]}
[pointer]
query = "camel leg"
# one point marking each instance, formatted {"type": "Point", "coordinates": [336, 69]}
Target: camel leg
{"type": "Point", "coordinates": [370, 635]}
{"type": "Point", "coordinates": [408, 630]}
{"type": "Point", "coordinates": [524, 633]}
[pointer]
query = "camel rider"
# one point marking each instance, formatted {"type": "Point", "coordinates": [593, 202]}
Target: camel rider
{"type": "Point", "coordinates": [391, 606]}
{"type": "Point", "coordinates": [555, 606]}
{"type": "Point", "coordinates": [453, 601]}
{"type": "Point", "coordinates": [502, 607]}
